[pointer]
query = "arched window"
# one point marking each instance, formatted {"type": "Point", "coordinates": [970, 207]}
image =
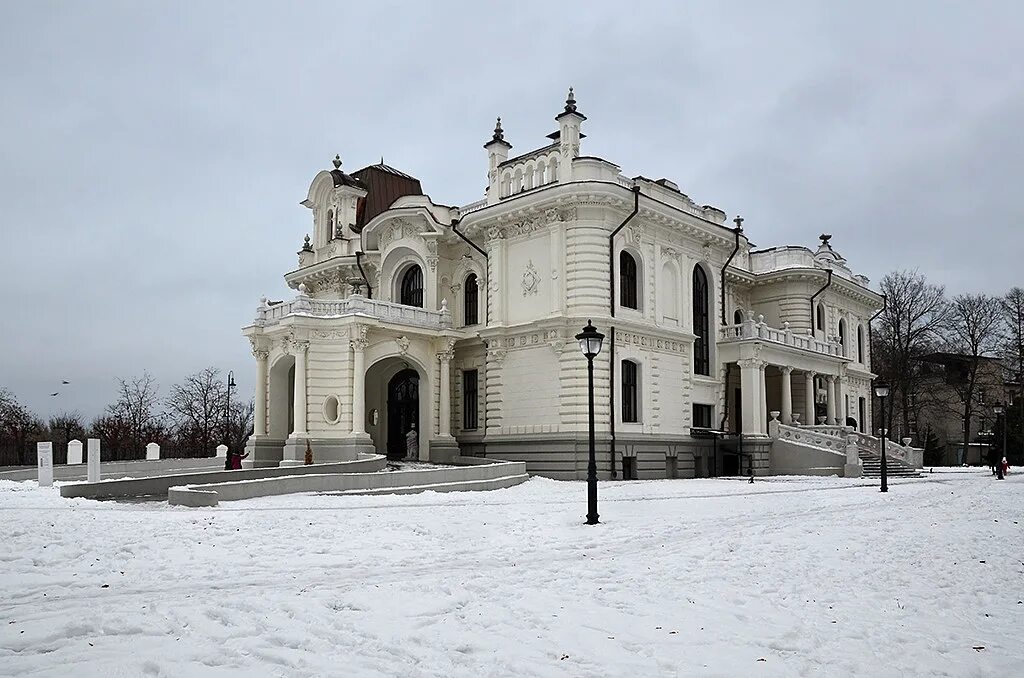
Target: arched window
{"type": "Point", "coordinates": [330, 226]}
{"type": "Point", "coordinates": [701, 306]}
{"type": "Point", "coordinates": [820, 320]}
{"type": "Point", "coordinates": [470, 306]}
{"type": "Point", "coordinates": [860, 343]}
{"type": "Point", "coordinates": [411, 293]}
{"type": "Point", "coordinates": [630, 392]}
{"type": "Point", "coordinates": [627, 281]}
{"type": "Point", "coordinates": [737, 317]}
{"type": "Point", "coordinates": [842, 334]}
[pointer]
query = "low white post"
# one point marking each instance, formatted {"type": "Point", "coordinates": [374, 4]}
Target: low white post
{"type": "Point", "coordinates": [152, 451]}
{"type": "Point", "coordinates": [93, 460]}
{"type": "Point", "coordinates": [222, 451]}
{"type": "Point", "coordinates": [74, 452]}
{"type": "Point", "coordinates": [853, 467]}
{"type": "Point", "coordinates": [44, 460]}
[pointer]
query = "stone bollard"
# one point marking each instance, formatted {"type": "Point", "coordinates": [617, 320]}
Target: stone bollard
{"type": "Point", "coordinates": [853, 467]}
{"type": "Point", "coordinates": [75, 452]}
{"type": "Point", "coordinates": [44, 460]}
{"type": "Point", "coordinates": [93, 460]}
{"type": "Point", "coordinates": [152, 451]}
{"type": "Point", "coordinates": [222, 451]}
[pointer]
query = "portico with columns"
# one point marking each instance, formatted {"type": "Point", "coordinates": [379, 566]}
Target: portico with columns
{"type": "Point", "coordinates": [800, 378]}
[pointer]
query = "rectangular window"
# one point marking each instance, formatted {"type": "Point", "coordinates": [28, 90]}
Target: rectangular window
{"type": "Point", "coordinates": [469, 400]}
{"type": "Point", "coordinates": [703, 416]}
{"type": "Point", "coordinates": [630, 411]}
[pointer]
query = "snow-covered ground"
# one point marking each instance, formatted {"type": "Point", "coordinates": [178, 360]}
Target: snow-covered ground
{"type": "Point", "coordinates": [786, 577]}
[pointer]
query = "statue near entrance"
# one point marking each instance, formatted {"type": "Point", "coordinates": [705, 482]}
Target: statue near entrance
{"type": "Point", "coordinates": [412, 447]}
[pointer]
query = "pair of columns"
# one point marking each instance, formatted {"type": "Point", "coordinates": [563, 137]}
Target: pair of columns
{"type": "Point", "coordinates": [359, 388]}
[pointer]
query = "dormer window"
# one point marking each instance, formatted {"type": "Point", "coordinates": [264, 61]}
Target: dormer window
{"type": "Point", "coordinates": [411, 290]}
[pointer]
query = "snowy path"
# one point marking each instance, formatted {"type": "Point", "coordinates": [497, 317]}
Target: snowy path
{"type": "Point", "coordinates": [787, 577]}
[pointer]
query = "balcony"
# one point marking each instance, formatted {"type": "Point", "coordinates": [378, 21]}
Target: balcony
{"type": "Point", "coordinates": [356, 305]}
{"type": "Point", "coordinates": [758, 330]}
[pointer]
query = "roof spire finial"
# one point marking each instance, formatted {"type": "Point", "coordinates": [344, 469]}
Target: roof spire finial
{"type": "Point", "coordinates": [825, 237]}
{"type": "Point", "coordinates": [337, 161]}
{"type": "Point", "coordinates": [570, 102]}
{"type": "Point", "coordinates": [499, 134]}
{"type": "Point", "coordinates": [739, 223]}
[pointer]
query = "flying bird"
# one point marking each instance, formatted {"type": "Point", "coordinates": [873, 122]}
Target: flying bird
{"type": "Point", "coordinates": [54, 394]}
{"type": "Point", "coordinates": [65, 381]}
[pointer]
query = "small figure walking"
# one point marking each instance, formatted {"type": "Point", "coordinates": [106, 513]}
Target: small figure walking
{"type": "Point", "coordinates": [309, 453]}
{"type": "Point", "coordinates": [1006, 466]}
{"type": "Point", "coordinates": [236, 460]}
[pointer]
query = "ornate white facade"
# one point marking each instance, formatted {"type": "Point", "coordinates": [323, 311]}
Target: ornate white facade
{"type": "Point", "coordinates": [702, 329]}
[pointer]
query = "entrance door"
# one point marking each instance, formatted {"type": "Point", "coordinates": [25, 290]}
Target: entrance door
{"type": "Point", "coordinates": [403, 411]}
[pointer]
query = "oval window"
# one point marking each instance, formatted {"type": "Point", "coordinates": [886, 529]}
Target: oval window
{"type": "Point", "coordinates": [332, 409]}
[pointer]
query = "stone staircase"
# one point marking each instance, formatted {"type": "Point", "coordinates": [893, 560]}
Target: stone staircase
{"type": "Point", "coordinates": [894, 468]}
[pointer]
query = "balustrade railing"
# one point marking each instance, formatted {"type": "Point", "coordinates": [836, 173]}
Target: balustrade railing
{"type": "Point", "coordinates": [836, 437]}
{"type": "Point", "coordinates": [758, 329]}
{"type": "Point", "coordinates": [473, 207]}
{"type": "Point", "coordinates": [386, 311]}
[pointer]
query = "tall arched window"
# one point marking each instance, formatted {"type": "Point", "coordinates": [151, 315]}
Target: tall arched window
{"type": "Point", "coordinates": [842, 334]}
{"type": "Point", "coordinates": [860, 343]}
{"type": "Point", "coordinates": [630, 392]}
{"type": "Point", "coordinates": [411, 292]}
{"type": "Point", "coordinates": [701, 307]}
{"type": "Point", "coordinates": [820, 319]}
{"type": "Point", "coordinates": [627, 281]}
{"type": "Point", "coordinates": [737, 317]}
{"type": "Point", "coordinates": [470, 306]}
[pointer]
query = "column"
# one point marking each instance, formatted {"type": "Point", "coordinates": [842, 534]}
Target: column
{"type": "Point", "coordinates": [260, 412]}
{"type": "Point", "coordinates": [300, 348]}
{"type": "Point", "coordinates": [830, 395]}
{"type": "Point", "coordinates": [762, 410]}
{"type": "Point", "coordinates": [444, 423]}
{"type": "Point", "coordinates": [787, 395]}
{"type": "Point", "coordinates": [840, 403]}
{"type": "Point", "coordinates": [750, 392]}
{"type": "Point", "coordinates": [809, 399]}
{"type": "Point", "coordinates": [358, 381]}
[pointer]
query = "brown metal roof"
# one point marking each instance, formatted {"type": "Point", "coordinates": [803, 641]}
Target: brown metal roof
{"type": "Point", "coordinates": [384, 185]}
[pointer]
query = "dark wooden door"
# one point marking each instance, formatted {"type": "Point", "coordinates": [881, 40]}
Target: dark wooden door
{"type": "Point", "coordinates": [403, 411]}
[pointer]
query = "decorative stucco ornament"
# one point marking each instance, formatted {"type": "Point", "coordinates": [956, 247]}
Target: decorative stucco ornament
{"type": "Point", "coordinates": [531, 279]}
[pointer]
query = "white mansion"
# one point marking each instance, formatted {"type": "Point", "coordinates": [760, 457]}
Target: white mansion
{"type": "Point", "coordinates": [458, 322]}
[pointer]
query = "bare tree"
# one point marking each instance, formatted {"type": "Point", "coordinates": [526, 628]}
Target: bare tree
{"type": "Point", "coordinates": [199, 408]}
{"type": "Point", "coordinates": [915, 312]}
{"type": "Point", "coordinates": [974, 333]}
{"type": "Point", "coordinates": [134, 419]}
{"type": "Point", "coordinates": [65, 427]}
{"type": "Point", "coordinates": [240, 424]}
{"type": "Point", "coordinates": [19, 430]}
{"type": "Point", "coordinates": [1012, 353]}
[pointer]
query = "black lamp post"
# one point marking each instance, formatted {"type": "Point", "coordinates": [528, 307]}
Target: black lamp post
{"type": "Point", "coordinates": [590, 344]}
{"type": "Point", "coordinates": [882, 391]}
{"type": "Point", "coordinates": [1000, 410]}
{"type": "Point", "coordinates": [227, 420]}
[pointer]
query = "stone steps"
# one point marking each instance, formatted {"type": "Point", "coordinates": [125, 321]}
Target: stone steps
{"type": "Point", "coordinates": [894, 468]}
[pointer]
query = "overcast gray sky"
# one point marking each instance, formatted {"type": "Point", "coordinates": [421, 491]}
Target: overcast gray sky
{"type": "Point", "coordinates": [153, 155]}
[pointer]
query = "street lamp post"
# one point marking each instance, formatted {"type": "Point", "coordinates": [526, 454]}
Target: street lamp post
{"type": "Point", "coordinates": [882, 391]}
{"type": "Point", "coordinates": [1000, 410]}
{"type": "Point", "coordinates": [227, 419]}
{"type": "Point", "coordinates": [590, 344]}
